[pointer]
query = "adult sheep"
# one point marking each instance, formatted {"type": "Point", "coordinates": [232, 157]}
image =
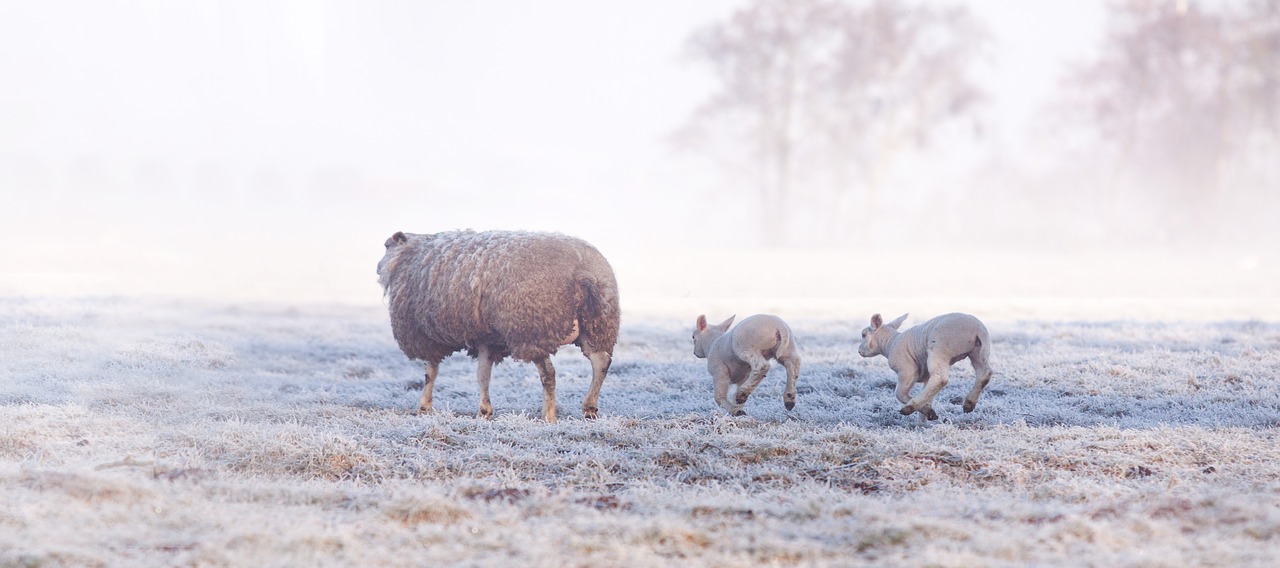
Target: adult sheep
{"type": "Point", "coordinates": [501, 294]}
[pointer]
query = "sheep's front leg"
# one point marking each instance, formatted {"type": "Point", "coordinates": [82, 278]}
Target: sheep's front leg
{"type": "Point", "coordinates": [792, 365]}
{"type": "Point", "coordinates": [759, 369]}
{"type": "Point", "coordinates": [548, 374]}
{"type": "Point", "coordinates": [720, 380]}
{"type": "Point", "coordinates": [428, 385]}
{"type": "Point", "coordinates": [907, 378]}
{"type": "Point", "coordinates": [600, 362]}
{"type": "Point", "coordinates": [939, 366]}
{"type": "Point", "coordinates": [484, 368]}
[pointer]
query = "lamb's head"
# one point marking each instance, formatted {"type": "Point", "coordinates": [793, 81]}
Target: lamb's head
{"type": "Point", "coordinates": [394, 244]}
{"type": "Point", "coordinates": [878, 335]}
{"type": "Point", "coordinates": [704, 335]}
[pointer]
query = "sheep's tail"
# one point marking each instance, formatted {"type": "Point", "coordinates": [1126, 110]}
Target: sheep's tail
{"type": "Point", "coordinates": [598, 313]}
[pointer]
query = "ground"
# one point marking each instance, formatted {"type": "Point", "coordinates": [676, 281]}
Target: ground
{"type": "Point", "coordinates": [179, 432]}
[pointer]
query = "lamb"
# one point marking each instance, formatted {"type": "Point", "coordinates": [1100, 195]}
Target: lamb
{"type": "Point", "coordinates": [501, 294]}
{"type": "Point", "coordinates": [742, 356]}
{"type": "Point", "coordinates": [925, 353]}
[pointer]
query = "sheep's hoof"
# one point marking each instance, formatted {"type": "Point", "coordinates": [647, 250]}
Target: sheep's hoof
{"type": "Point", "coordinates": [907, 410]}
{"type": "Point", "coordinates": [485, 413]}
{"type": "Point", "coordinates": [740, 398]}
{"type": "Point", "coordinates": [968, 406]}
{"type": "Point", "coordinates": [424, 410]}
{"type": "Point", "coordinates": [590, 412]}
{"type": "Point", "coordinates": [930, 414]}
{"type": "Point", "coordinates": [789, 404]}
{"type": "Point", "coordinates": [740, 412]}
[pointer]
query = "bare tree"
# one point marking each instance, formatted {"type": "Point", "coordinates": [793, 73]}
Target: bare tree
{"type": "Point", "coordinates": [821, 96]}
{"type": "Point", "coordinates": [1185, 103]}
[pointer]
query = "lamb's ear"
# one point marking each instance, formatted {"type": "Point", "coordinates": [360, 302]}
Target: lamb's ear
{"type": "Point", "coordinates": [724, 325]}
{"type": "Point", "coordinates": [397, 238]}
{"type": "Point", "coordinates": [702, 323]}
{"type": "Point", "coordinates": [876, 322]}
{"type": "Point", "coordinates": [895, 323]}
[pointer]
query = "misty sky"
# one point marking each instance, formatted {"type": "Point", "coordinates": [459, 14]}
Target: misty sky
{"type": "Point", "coordinates": [522, 103]}
{"type": "Point", "coordinates": [240, 138]}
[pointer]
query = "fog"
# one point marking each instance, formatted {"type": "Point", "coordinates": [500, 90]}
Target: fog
{"type": "Point", "coordinates": [265, 150]}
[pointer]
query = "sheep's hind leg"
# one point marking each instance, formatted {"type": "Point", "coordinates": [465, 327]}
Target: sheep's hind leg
{"type": "Point", "coordinates": [792, 365]}
{"type": "Point", "coordinates": [600, 361]}
{"type": "Point", "coordinates": [428, 385]}
{"type": "Point", "coordinates": [548, 374]}
{"type": "Point", "coordinates": [484, 368]}
{"type": "Point", "coordinates": [759, 369]}
{"type": "Point", "coordinates": [982, 373]}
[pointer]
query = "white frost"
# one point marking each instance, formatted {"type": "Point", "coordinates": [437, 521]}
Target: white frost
{"type": "Point", "coordinates": [181, 433]}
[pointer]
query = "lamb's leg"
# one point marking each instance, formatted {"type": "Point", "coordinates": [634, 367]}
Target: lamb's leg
{"type": "Point", "coordinates": [982, 374]}
{"type": "Point", "coordinates": [720, 381]}
{"type": "Point", "coordinates": [484, 367]}
{"type": "Point", "coordinates": [428, 385]}
{"type": "Point", "coordinates": [759, 369]}
{"type": "Point", "coordinates": [792, 365]}
{"type": "Point", "coordinates": [906, 379]}
{"type": "Point", "coordinates": [939, 366]}
{"type": "Point", "coordinates": [548, 375]}
{"type": "Point", "coordinates": [600, 361]}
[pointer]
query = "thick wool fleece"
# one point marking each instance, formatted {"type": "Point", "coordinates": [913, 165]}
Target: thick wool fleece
{"type": "Point", "coordinates": [517, 293]}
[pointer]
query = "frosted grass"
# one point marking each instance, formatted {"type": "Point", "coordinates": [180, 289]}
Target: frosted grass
{"type": "Point", "coordinates": [136, 432]}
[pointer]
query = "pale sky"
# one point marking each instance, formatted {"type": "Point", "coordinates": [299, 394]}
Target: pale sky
{"type": "Point", "coordinates": [133, 133]}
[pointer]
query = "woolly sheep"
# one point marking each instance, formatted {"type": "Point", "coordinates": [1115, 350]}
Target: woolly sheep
{"type": "Point", "coordinates": [742, 356]}
{"type": "Point", "coordinates": [925, 354]}
{"type": "Point", "coordinates": [498, 294]}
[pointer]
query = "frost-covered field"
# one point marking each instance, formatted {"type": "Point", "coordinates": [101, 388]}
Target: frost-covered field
{"type": "Point", "coordinates": [143, 432]}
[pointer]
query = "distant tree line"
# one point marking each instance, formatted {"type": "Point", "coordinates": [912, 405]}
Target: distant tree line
{"type": "Point", "coordinates": [816, 99]}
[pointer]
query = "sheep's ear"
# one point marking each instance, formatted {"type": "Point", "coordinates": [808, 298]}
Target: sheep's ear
{"type": "Point", "coordinates": [895, 323]}
{"type": "Point", "coordinates": [397, 238]}
{"type": "Point", "coordinates": [702, 323]}
{"type": "Point", "coordinates": [876, 322]}
{"type": "Point", "coordinates": [724, 325]}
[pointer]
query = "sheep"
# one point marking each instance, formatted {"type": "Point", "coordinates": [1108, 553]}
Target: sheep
{"type": "Point", "coordinates": [925, 354]}
{"type": "Point", "coordinates": [501, 294]}
{"type": "Point", "coordinates": [742, 356]}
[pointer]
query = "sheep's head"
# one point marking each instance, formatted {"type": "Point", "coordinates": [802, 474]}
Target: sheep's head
{"type": "Point", "coordinates": [704, 335]}
{"type": "Point", "coordinates": [878, 335]}
{"type": "Point", "coordinates": [393, 245]}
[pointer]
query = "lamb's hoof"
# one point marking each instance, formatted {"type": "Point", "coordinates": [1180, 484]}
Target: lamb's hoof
{"type": "Point", "coordinates": [968, 406]}
{"type": "Point", "coordinates": [930, 414]}
{"type": "Point", "coordinates": [424, 410]}
{"type": "Point", "coordinates": [589, 413]}
{"type": "Point", "coordinates": [907, 410]}
{"type": "Point", "coordinates": [740, 412]}
{"type": "Point", "coordinates": [740, 398]}
{"type": "Point", "coordinates": [486, 414]}
{"type": "Point", "coordinates": [789, 404]}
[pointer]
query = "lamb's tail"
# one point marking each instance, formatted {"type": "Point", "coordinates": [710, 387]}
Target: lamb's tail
{"type": "Point", "coordinates": [786, 344]}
